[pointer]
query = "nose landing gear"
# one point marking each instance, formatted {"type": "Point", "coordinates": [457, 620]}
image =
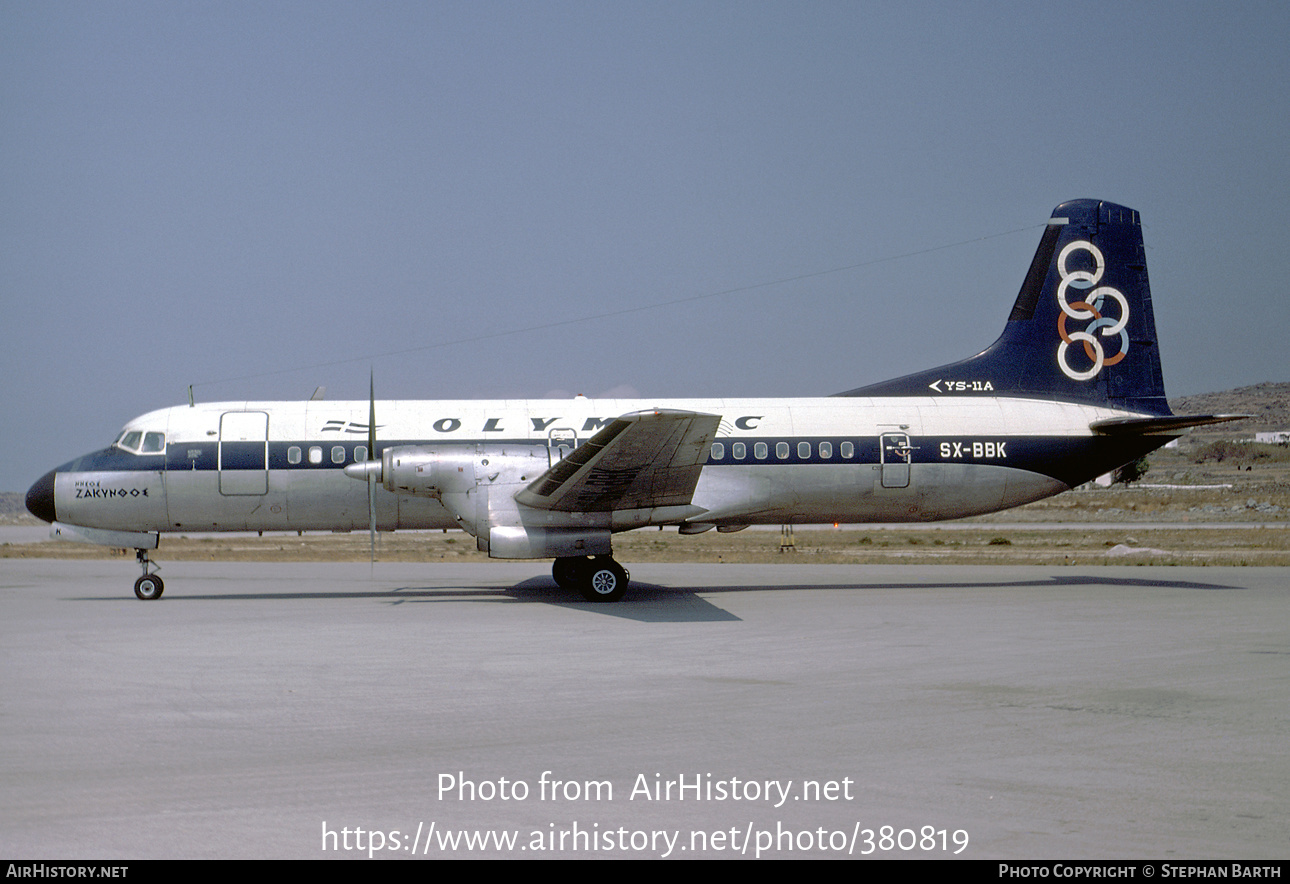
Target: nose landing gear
{"type": "Point", "coordinates": [149, 586]}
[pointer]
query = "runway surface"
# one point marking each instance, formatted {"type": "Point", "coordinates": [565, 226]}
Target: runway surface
{"type": "Point", "coordinates": [289, 710]}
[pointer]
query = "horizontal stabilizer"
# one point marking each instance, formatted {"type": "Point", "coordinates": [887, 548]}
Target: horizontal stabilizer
{"type": "Point", "coordinates": [1134, 426]}
{"type": "Point", "coordinates": [641, 460]}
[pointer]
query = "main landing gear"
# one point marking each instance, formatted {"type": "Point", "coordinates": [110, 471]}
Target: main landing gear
{"type": "Point", "coordinates": [149, 586]}
{"type": "Point", "coordinates": [598, 578]}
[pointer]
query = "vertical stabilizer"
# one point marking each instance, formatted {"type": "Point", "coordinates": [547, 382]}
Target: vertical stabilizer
{"type": "Point", "coordinates": [1081, 330]}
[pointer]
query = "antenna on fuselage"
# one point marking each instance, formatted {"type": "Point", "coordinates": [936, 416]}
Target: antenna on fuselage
{"type": "Point", "coordinates": [191, 403]}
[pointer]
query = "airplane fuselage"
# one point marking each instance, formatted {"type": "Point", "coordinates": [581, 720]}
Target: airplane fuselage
{"type": "Point", "coordinates": [277, 466]}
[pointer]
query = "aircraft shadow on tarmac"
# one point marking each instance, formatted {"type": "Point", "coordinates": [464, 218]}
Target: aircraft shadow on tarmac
{"type": "Point", "coordinates": [647, 603]}
{"type": "Point", "coordinates": [652, 603]}
{"type": "Point", "coordinates": [1064, 580]}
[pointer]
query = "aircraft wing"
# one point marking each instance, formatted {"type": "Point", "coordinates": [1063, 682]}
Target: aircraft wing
{"type": "Point", "coordinates": [642, 459]}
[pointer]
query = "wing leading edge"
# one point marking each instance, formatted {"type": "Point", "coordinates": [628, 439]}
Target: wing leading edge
{"type": "Point", "coordinates": [642, 459]}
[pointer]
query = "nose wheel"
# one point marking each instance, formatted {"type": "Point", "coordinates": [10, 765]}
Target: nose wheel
{"type": "Point", "coordinates": [149, 586]}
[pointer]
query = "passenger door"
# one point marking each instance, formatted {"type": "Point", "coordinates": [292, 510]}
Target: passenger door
{"type": "Point", "coordinates": [243, 453]}
{"type": "Point", "coordinates": [895, 452]}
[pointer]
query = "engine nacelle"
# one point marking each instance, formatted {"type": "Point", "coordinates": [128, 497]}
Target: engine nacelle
{"type": "Point", "coordinates": [427, 471]}
{"type": "Point", "coordinates": [476, 485]}
{"type": "Point", "coordinates": [547, 543]}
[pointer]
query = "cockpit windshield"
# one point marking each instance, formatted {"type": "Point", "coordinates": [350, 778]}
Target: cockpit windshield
{"type": "Point", "coordinates": [140, 442]}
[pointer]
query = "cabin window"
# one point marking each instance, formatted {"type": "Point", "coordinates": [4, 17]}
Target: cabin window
{"type": "Point", "coordinates": [360, 454]}
{"type": "Point", "coordinates": [826, 450]}
{"type": "Point", "coordinates": [293, 454]}
{"type": "Point", "coordinates": [739, 450]}
{"type": "Point", "coordinates": [315, 454]}
{"type": "Point", "coordinates": [718, 451]}
{"type": "Point", "coordinates": [804, 450]}
{"type": "Point", "coordinates": [338, 454]}
{"type": "Point", "coordinates": [848, 450]}
{"type": "Point", "coordinates": [781, 450]}
{"type": "Point", "coordinates": [760, 450]}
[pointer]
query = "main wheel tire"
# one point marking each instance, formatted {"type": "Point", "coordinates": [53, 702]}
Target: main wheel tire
{"type": "Point", "coordinates": [565, 571]}
{"type": "Point", "coordinates": [149, 587]}
{"type": "Point", "coordinates": [603, 580]}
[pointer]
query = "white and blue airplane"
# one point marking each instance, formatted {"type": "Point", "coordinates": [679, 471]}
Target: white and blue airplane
{"type": "Point", "coordinates": [1069, 391]}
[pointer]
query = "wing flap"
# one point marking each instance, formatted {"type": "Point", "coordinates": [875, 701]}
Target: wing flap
{"type": "Point", "coordinates": [642, 459]}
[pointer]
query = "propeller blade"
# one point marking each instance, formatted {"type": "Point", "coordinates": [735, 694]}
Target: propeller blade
{"type": "Point", "coordinates": [371, 455]}
{"type": "Point", "coordinates": [371, 415]}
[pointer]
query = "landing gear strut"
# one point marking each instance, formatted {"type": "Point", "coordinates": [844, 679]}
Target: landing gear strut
{"type": "Point", "coordinates": [598, 579]}
{"type": "Point", "coordinates": [149, 586]}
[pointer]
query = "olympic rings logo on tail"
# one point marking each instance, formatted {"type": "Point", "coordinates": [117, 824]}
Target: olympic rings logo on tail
{"type": "Point", "coordinates": [1091, 307]}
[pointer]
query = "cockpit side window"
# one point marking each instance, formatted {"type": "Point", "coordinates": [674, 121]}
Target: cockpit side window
{"type": "Point", "coordinates": [139, 442]}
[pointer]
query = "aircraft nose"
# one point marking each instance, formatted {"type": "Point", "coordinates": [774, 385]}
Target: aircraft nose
{"type": "Point", "coordinates": [40, 498]}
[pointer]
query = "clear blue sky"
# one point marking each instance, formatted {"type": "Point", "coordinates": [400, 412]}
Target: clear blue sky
{"type": "Point", "coordinates": [199, 192]}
